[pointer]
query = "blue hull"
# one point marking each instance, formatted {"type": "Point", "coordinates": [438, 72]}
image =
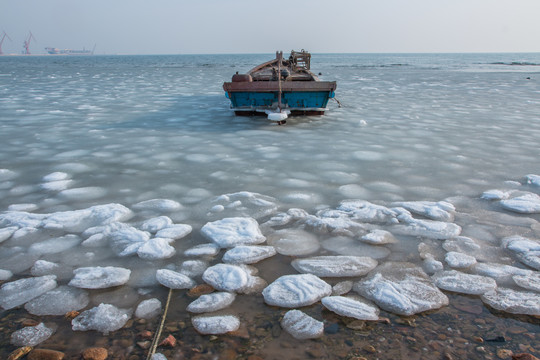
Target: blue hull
{"type": "Point", "coordinates": [298, 101]}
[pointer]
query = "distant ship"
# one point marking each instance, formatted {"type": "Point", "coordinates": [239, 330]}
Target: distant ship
{"type": "Point", "coordinates": [56, 51]}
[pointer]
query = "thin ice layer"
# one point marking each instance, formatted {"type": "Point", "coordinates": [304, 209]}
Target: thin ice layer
{"type": "Point", "coordinates": [211, 302]}
{"type": "Point", "coordinates": [103, 318]}
{"type": "Point", "coordinates": [244, 254]}
{"type": "Point", "coordinates": [58, 301]}
{"type": "Point", "coordinates": [401, 288]}
{"type": "Point", "coordinates": [230, 232]}
{"type": "Point", "coordinates": [215, 324]}
{"type": "Point", "coordinates": [99, 277]}
{"type": "Point", "coordinates": [335, 266]}
{"type": "Point", "coordinates": [512, 301]}
{"type": "Point", "coordinates": [302, 326]}
{"type": "Point", "coordinates": [31, 335]}
{"type": "Point", "coordinates": [18, 292]}
{"type": "Point", "coordinates": [460, 282]}
{"type": "Point", "coordinates": [354, 307]}
{"type": "Point", "coordinates": [296, 290]}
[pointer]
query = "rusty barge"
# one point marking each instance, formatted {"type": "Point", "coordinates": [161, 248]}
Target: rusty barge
{"type": "Point", "coordinates": [280, 87]}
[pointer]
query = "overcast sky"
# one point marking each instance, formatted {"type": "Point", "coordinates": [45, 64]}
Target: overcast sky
{"type": "Point", "coordinates": [252, 26]}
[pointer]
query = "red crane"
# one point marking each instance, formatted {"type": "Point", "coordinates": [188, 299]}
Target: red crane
{"type": "Point", "coordinates": [26, 44]}
{"type": "Point", "coordinates": [4, 36]}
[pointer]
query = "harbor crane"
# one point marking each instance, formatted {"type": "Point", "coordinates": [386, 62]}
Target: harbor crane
{"type": "Point", "coordinates": [4, 36]}
{"type": "Point", "coordinates": [26, 44]}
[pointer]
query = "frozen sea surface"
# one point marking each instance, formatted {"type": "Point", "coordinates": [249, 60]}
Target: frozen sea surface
{"type": "Point", "coordinates": [137, 163]}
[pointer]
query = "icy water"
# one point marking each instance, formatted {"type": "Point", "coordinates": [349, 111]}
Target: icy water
{"type": "Point", "coordinates": [446, 130]}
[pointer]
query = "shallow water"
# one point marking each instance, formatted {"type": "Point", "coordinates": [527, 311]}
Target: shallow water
{"type": "Point", "coordinates": [132, 128]}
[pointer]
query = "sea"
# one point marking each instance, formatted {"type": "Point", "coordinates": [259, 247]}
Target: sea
{"type": "Point", "coordinates": [156, 135]}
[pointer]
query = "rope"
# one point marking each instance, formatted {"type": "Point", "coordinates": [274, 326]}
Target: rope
{"type": "Point", "coordinates": [339, 103]}
{"type": "Point", "coordinates": [154, 345]}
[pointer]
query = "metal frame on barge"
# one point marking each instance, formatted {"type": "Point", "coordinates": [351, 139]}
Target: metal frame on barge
{"type": "Point", "coordinates": [280, 87]}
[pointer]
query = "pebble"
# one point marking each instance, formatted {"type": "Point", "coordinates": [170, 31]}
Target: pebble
{"type": "Point", "coordinates": [45, 354]}
{"type": "Point", "coordinates": [369, 348]}
{"type": "Point", "coordinates": [524, 356]}
{"type": "Point", "coordinates": [95, 353]}
{"type": "Point", "coordinates": [504, 353]}
{"type": "Point", "coordinates": [19, 353]}
{"type": "Point", "coordinates": [169, 341]}
{"type": "Point", "coordinates": [199, 290]}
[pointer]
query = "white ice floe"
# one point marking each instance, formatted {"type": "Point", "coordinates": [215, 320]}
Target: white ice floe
{"type": "Point", "coordinates": [58, 185]}
{"type": "Point", "coordinates": [532, 179]}
{"type": "Point", "coordinates": [529, 282]}
{"type": "Point", "coordinates": [351, 306]}
{"type": "Point", "coordinates": [346, 246]}
{"type": "Point", "coordinates": [58, 301]}
{"type": "Point", "coordinates": [337, 222]}
{"type": "Point", "coordinates": [5, 275]}
{"type": "Point", "coordinates": [148, 309]}
{"type": "Point", "coordinates": [83, 193]}
{"type": "Point", "coordinates": [401, 288]}
{"type": "Point", "coordinates": [496, 194]}
{"type": "Point", "coordinates": [158, 205]}
{"type": "Point", "coordinates": [431, 265]}
{"type": "Point", "coordinates": [5, 233]}
{"type": "Point", "coordinates": [378, 237]}
{"type": "Point", "coordinates": [502, 273]}
{"type": "Point", "coordinates": [211, 302]}
{"type": "Point", "coordinates": [230, 232]}
{"type": "Point", "coordinates": [512, 301]}
{"type": "Point", "coordinates": [203, 250]}
{"type": "Point", "coordinates": [70, 221]}
{"type": "Point", "coordinates": [246, 254]}
{"type": "Point", "coordinates": [23, 207]}
{"type": "Point", "coordinates": [216, 324]}
{"type": "Point", "coordinates": [6, 174]}
{"type": "Point", "coordinates": [55, 176]}
{"type": "Point", "coordinates": [193, 268]}
{"type": "Point", "coordinates": [294, 242]}
{"type": "Point", "coordinates": [296, 290]}
{"type": "Point", "coordinates": [156, 248]}
{"type": "Point", "coordinates": [525, 204]}
{"type": "Point", "coordinates": [335, 266]}
{"type": "Point", "coordinates": [441, 210]}
{"type": "Point", "coordinates": [463, 244]}
{"type": "Point", "coordinates": [364, 211]}
{"type": "Point", "coordinates": [18, 292]}
{"type": "Point", "coordinates": [43, 267]}
{"type": "Point", "coordinates": [174, 280]}
{"type": "Point", "coordinates": [342, 288]}
{"type": "Point", "coordinates": [460, 282]}
{"type": "Point", "coordinates": [243, 203]}
{"type": "Point", "coordinates": [155, 224]}
{"type": "Point", "coordinates": [55, 245]}
{"type": "Point", "coordinates": [431, 229]}
{"type": "Point", "coordinates": [281, 219]}
{"type": "Point", "coordinates": [459, 260]}
{"type": "Point", "coordinates": [302, 326]}
{"type": "Point", "coordinates": [99, 277]}
{"type": "Point", "coordinates": [31, 335]}
{"type": "Point", "coordinates": [526, 250]}
{"type": "Point", "coordinates": [158, 356]}
{"type": "Point", "coordinates": [231, 278]}
{"type": "Point", "coordinates": [125, 240]}
{"type": "Point", "coordinates": [176, 231]}
{"type": "Point", "coordinates": [103, 318]}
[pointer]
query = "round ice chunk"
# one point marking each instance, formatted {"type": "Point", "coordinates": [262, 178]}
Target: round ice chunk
{"type": "Point", "coordinates": [125, 240]}
{"type": "Point", "coordinates": [245, 254]}
{"type": "Point", "coordinates": [193, 268]}
{"type": "Point", "coordinates": [20, 291]}
{"type": "Point", "coordinates": [227, 277]}
{"type": "Point", "coordinates": [159, 205]}
{"type": "Point", "coordinates": [56, 176]}
{"type": "Point", "coordinates": [209, 250]}
{"type": "Point", "coordinates": [156, 248]}
{"type": "Point", "coordinates": [31, 335]}
{"type": "Point", "coordinates": [153, 225]}
{"type": "Point", "coordinates": [58, 301]}
{"type": "Point", "coordinates": [148, 309]}
{"type": "Point", "coordinates": [230, 232]}
{"type": "Point", "coordinates": [442, 210]}
{"type": "Point", "coordinates": [378, 237]}
{"type": "Point", "coordinates": [524, 204]}
{"type": "Point", "coordinates": [302, 326]}
{"type": "Point", "coordinates": [5, 233]}
{"type": "Point", "coordinates": [54, 245]}
{"type": "Point", "coordinates": [426, 228]}
{"type": "Point", "coordinates": [103, 318]}
{"type": "Point", "coordinates": [346, 246]}
{"type": "Point", "coordinates": [175, 232]}
{"type": "Point", "coordinates": [459, 260]}
{"type": "Point", "coordinates": [211, 302]}
{"type": "Point", "coordinates": [401, 288]}
{"type": "Point", "coordinates": [83, 193]}
{"type": "Point", "coordinates": [294, 242]}
{"type": "Point", "coordinates": [460, 282]}
{"type": "Point", "coordinates": [354, 307]}
{"type": "Point", "coordinates": [529, 282]}
{"type": "Point", "coordinates": [296, 290]}
{"type": "Point", "coordinates": [5, 275]}
{"type": "Point", "coordinates": [335, 266]}
{"type": "Point", "coordinates": [99, 277]}
{"type": "Point", "coordinates": [173, 279]}
{"type": "Point", "coordinates": [215, 324]}
{"type": "Point", "coordinates": [244, 203]}
{"type": "Point", "coordinates": [512, 301]}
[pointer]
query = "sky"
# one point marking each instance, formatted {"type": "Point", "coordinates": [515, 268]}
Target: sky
{"type": "Point", "coordinates": [252, 26]}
